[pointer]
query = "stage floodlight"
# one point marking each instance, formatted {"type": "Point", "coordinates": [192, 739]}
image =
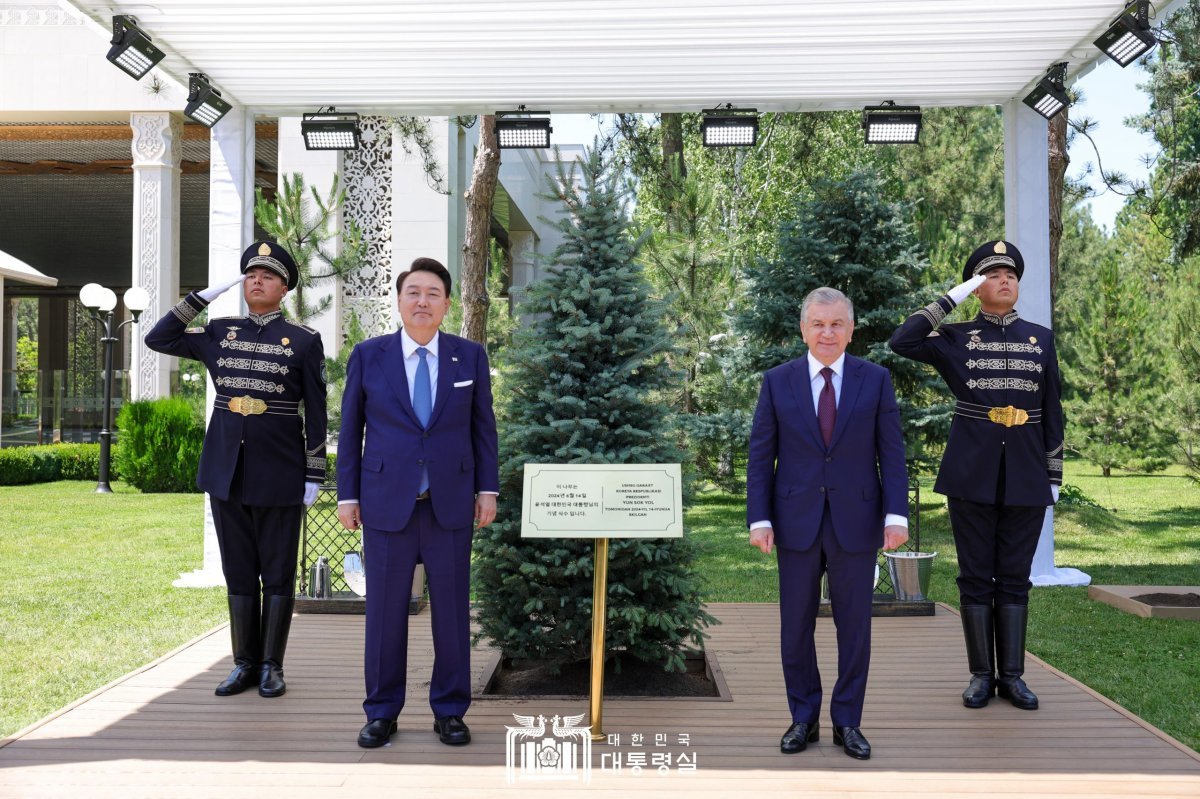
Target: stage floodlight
{"type": "Point", "coordinates": [889, 123]}
{"type": "Point", "coordinates": [204, 104]}
{"type": "Point", "coordinates": [132, 51]}
{"type": "Point", "coordinates": [523, 132]}
{"type": "Point", "coordinates": [729, 127]}
{"type": "Point", "coordinates": [1050, 96]}
{"type": "Point", "coordinates": [1129, 37]}
{"type": "Point", "coordinates": [330, 130]}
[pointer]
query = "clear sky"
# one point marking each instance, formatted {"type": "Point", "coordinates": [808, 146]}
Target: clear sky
{"type": "Point", "coordinates": [1110, 96]}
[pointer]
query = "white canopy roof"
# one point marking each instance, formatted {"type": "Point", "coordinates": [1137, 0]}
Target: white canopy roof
{"type": "Point", "coordinates": [17, 270]}
{"type": "Point", "coordinates": [479, 56]}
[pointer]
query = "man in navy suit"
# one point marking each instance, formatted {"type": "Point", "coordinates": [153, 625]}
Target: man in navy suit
{"type": "Point", "coordinates": [826, 484]}
{"type": "Point", "coordinates": [424, 471]}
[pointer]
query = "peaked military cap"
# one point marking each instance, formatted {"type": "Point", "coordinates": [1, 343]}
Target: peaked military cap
{"type": "Point", "coordinates": [992, 255]}
{"type": "Point", "coordinates": [270, 255]}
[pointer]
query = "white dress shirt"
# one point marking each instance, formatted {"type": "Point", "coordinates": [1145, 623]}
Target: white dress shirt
{"type": "Point", "coordinates": [817, 383]}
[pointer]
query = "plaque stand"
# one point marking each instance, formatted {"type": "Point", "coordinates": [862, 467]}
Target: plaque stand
{"type": "Point", "coordinates": [599, 615]}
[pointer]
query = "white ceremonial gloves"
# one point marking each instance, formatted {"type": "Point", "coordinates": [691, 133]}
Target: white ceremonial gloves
{"type": "Point", "coordinates": [212, 292]}
{"type": "Point", "coordinates": [1054, 492]}
{"type": "Point", "coordinates": [963, 290]}
{"type": "Point", "coordinates": [310, 493]}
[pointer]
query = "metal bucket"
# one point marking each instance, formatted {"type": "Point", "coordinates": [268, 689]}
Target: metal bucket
{"type": "Point", "coordinates": [910, 574]}
{"type": "Point", "coordinates": [319, 586]}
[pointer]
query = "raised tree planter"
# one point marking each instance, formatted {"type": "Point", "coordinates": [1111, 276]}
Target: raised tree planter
{"type": "Point", "coordinates": [1151, 601]}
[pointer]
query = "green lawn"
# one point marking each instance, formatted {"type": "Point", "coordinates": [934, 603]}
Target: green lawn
{"type": "Point", "coordinates": [1148, 532]}
{"type": "Point", "coordinates": [89, 597]}
{"type": "Point", "coordinates": [87, 589]}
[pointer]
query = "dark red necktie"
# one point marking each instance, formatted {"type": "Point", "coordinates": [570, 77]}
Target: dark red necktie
{"type": "Point", "coordinates": [827, 407]}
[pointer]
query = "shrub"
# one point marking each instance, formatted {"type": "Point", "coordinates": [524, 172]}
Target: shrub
{"type": "Point", "coordinates": [23, 465]}
{"type": "Point", "coordinates": [160, 445]}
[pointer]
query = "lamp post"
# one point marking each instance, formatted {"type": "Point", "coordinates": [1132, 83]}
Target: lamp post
{"type": "Point", "coordinates": [101, 302]}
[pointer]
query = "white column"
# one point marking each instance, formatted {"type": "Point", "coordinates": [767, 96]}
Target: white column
{"type": "Point", "coordinates": [230, 231]}
{"type": "Point", "coordinates": [1027, 224]}
{"type": "Point", "coordinates": [157, 149]}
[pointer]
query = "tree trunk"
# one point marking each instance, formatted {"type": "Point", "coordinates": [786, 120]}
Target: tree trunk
{"type": "Point", "coordinates": [1058, 162]}
{"type": "Point", "coordinates": [473, 280]}
{"type": "Point", "coordinates": [674, 170]}
{"type": "Point", "coordinates": [672, 144]}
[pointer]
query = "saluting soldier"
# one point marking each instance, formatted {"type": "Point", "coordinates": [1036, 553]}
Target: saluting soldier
{"type": "Point", "coordinates": [264, 451]}
{"type": "Point", "coordinates": [1003, 461]}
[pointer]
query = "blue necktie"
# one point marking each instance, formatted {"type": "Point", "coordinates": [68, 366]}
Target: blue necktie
{"type": "Point", "coordinates": [423, 404]}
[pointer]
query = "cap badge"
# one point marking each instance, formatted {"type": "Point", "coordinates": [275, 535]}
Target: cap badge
{"type": "Point", "coordinates": [265, 249]}
{"type": "Point", "coordinates": [285, 341]}
{"type": "Point", "coordinates": [999, 248]}
{"type": "Point", "coordinates": [1033, 339]}
{"type": "Point", "coordinates": [231, 335]}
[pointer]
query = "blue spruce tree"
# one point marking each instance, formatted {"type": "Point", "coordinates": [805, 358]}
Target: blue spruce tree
{"type": "Point", "coordinates": [583, 386]}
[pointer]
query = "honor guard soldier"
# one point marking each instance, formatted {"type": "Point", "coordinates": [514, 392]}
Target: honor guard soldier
{"type": "Point", "coordinates": [264, 451]}
{"type": "Point", "coordinates": [1003, 462]}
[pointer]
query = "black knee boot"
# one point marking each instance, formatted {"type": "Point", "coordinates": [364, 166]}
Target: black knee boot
{"type": "Point", "coordinates": [1010, 656]}
{"type": "Point", "coordinates": [276, 622]}
{"type": "Point", "coordinates": [243, 629]}
{"type": "Point", "coordinates": [981, 654]}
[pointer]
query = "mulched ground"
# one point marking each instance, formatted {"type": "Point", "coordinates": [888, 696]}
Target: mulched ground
{"type": "Point", "coordinates": [635, 679]}
{"type": "Point", "coordinates": [1165, 600]}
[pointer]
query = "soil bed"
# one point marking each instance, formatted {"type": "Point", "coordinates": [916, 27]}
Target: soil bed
{"type": "Point", "coordinates": [635, 679]}
{"type": "Point", "coordinates": [1170, 600]}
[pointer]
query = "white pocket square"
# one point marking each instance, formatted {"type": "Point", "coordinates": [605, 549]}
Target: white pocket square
{"type": "Point", "coordinates": [463, 383]}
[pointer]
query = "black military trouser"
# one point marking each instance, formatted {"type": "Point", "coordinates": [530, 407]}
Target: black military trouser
{"type": "Point", "coordinates": [995, 545]}
{"type": "Point", "coordinates": [258, 542]}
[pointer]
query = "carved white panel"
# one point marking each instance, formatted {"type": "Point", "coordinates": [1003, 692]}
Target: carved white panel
{"type": "Point", "coordinates": [368, 178]}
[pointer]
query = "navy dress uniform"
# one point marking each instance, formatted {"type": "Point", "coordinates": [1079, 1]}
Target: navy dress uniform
{"type": "Point", "coordinates": [265, 441]}
{"type": "Point", "coordinates": [1003, 455]}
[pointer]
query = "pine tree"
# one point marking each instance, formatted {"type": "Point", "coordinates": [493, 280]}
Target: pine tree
{"type": "Point", "coordinates": [852, 238]}
{"type": "Point", "coordinates": [1113, 377]}
{"type": "Point", "coordinates": [581, 387]}
{"type": "Point", "coordinates": [303, 225]}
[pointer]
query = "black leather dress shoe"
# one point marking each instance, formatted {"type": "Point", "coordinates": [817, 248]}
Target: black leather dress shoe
{"type": "Point", "coordinates": [798, 737]}
{"type": "Point", "coordinates": [242, 677]}
{"type": "Point", "coordinates": [376, 733]}
{"type": "Point", "coordinates": [452, 731]}
{"type": "Point", "coordinates": [852, 741]}
{"type": "Point", "coordinates": [270, 681]}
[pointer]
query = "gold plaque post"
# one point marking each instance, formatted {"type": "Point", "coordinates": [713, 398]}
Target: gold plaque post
{"type": "Point", "coordinates": [599, 614]}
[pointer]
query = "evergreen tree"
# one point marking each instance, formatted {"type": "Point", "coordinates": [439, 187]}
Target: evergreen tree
{"type": "Point", "coordinates": [852, 238]}
{"type": "Point", "coordinates": [580, 387]}
{"type": "Point", "coordinates": [303, 225]}
{"type": "Point", "coordinates": [1113, 384]}
{"type": "Point", "coordinates": [1183, 396]}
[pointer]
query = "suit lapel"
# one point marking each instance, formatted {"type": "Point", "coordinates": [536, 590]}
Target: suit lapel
{"type": "Point", "coordinates": [447, 371]}
{"type": "Point", "coordinates": [801, 384]}
{"type": "Point", "coordinates": [392, 363]}
{"type": "Point", "coordinates": [851, 383]}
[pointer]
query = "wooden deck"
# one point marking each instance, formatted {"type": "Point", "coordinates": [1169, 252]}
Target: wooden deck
{"type": "Point", "coordinates": [160, 731]}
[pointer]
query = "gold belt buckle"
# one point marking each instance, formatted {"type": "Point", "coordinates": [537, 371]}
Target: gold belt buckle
{"type": "Point", "coordinates": [1008, 415]}
{"type": "Point", "coordinates": [247, 405]}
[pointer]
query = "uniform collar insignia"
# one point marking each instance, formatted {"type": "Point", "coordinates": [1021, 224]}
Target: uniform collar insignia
{"type": "Point", "coordinates": [997, 319]}
{"type": "Point", "coordinates": [263, 319]}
